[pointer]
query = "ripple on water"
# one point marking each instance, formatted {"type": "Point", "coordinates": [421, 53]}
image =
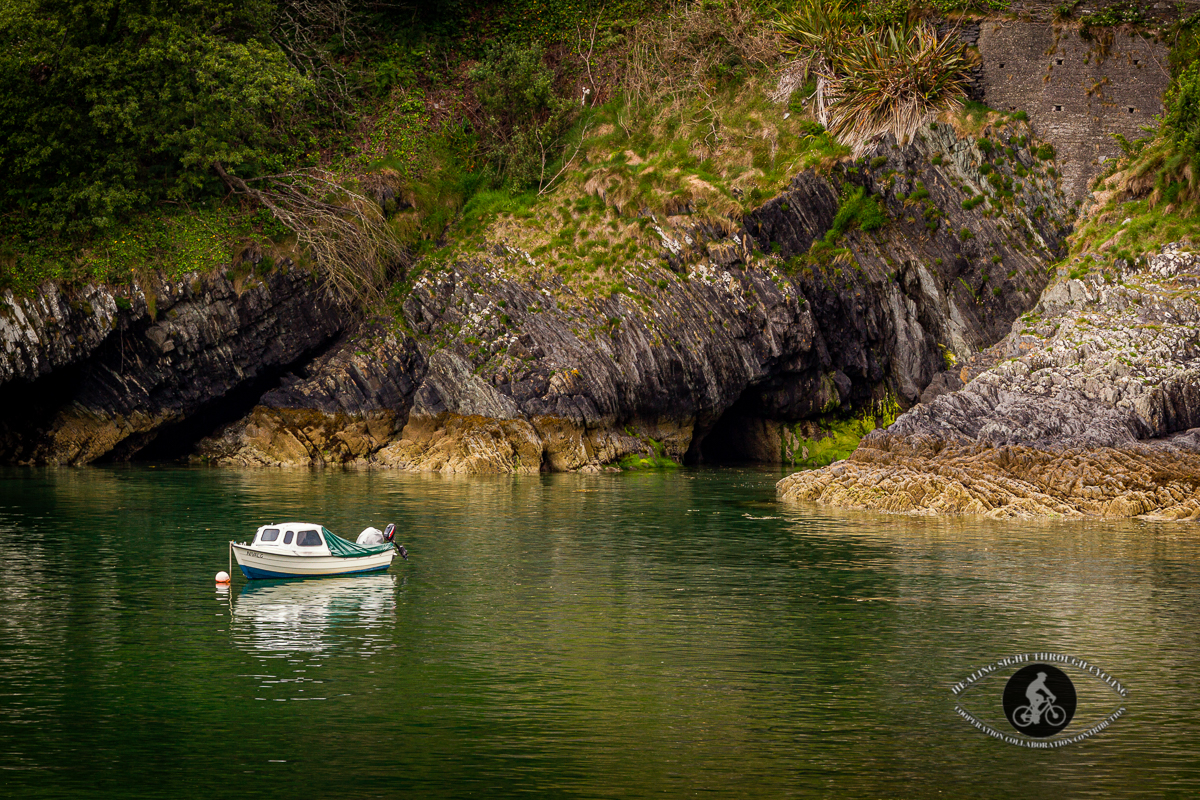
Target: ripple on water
{"type": "Point", "coordinates": [612, 635]}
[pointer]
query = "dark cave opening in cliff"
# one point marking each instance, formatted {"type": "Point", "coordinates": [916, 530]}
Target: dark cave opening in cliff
{"type": "Point", "coordinates": [28, 408]}
{"type": "Point", "coordinates": [178, 440]}
{"type": "Point", "coordinates": [738, 436]}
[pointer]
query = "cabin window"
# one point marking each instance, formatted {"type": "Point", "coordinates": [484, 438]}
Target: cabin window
{"type": "Point", "coordinates": [287, 537]}
{"type": "Point", "coordinates": [308, 539]}
{"type": "Point", "coordinates": [269, 535]}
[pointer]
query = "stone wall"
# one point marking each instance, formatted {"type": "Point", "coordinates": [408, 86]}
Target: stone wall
{"type": "Point", "coordinates": [967, 32]}
{"type": "Point", "coordinates": [1077, 92]}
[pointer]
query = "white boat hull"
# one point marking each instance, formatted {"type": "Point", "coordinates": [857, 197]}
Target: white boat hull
{"type": "Point", "coordinates": [257, 563]}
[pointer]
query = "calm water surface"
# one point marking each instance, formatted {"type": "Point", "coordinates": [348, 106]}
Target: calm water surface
{"type": "Point", "coordinates": [637, 635]}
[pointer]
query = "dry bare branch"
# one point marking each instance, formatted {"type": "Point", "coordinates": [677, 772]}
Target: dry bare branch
{"type": "Point", "coordinates": [342, 231]}
{"type": "Point", "coordinates": [303, 29]}
{"type": "Point", "coordinates": [544, 186]}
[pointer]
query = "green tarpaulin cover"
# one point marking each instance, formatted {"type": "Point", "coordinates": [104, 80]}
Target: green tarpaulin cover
{"type": "Point", "coordinates": [344, 549]}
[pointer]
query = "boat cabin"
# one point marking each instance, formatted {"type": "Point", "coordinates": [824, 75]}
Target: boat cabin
{"type": "Point", "coordinates": [297, 538]}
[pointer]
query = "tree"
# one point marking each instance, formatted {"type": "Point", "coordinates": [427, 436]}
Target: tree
{"type": "Point", "coordinates": [107, 105]}
{"type": "Point", "coordinates": [523, 121]}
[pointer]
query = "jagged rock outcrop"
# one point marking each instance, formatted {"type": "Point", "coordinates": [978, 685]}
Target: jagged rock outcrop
{"type": "Point", "coordinates": [507, 367]}
{"type": "Point", "coordinates": [99, 371]}
{"type": "Point", "coordinates": [1093, 408]}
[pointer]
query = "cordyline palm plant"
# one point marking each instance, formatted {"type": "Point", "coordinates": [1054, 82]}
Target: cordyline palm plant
{"type": "Point", "coordinates": [816, 33]}
{"type": "Point", "coordinates": [872, 82]}
{"type": "Point", "coordinates": [894, 82]}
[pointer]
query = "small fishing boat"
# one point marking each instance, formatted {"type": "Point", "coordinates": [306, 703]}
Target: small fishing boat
{"type": "Point", "coordinates": [305, 550]}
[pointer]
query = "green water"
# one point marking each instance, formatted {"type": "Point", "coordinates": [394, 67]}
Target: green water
{"type": "Point", "coordinates": [636, 635]}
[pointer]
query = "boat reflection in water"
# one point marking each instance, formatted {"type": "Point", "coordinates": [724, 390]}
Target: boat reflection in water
{"type": "Point", "coordinates": [315, 616]}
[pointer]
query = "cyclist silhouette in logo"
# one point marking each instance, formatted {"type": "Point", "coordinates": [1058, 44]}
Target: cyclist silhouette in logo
{"type": "Point", "coordinates": [1039, 696]}
{"type": "Point", "coordinates": [1041, 699]}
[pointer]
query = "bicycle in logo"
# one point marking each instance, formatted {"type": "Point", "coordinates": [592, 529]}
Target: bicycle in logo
{"type": "Point", "coordinates": [1027, 716]}
{"type": "Point", "coordinates": [1041, 701]}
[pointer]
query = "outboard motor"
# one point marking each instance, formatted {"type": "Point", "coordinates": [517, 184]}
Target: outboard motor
{"type": "Point", "coordinates": [389, 534]}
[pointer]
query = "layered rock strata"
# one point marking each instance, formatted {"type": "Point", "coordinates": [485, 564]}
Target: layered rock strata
{"type": "Point", "coordinates": [732, 344]}
{"type": "Point", "coordinates": [502, 365]}
{"type": "Point", "coordinates": [1092, 410]}
{"type": "Point", "coordinates": [108, 372]}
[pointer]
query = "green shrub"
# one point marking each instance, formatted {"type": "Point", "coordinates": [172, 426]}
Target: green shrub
{"type": "Point", "coordinates": [1045, 151]}
{"type": "Point", "coordinates": [810, 127]}
{"type": "Point", "coordinates": [525, 122]}
{"type": "Point", "coordinates": [106, 109]}
{"type": "Point", "coordinates": [1128, 12]}
{"type": "Point", "coordinates": [1182, 117]}
{"type": "Point", "coordinates": [858, 210]}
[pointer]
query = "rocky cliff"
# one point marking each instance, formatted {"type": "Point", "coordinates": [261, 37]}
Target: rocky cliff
{"type": "Point", "coordinates": [1090, 409]}
{"type": "Point", "coordinates": [743, 344]}
{"type": "Point", "coordinates": [103, 372]}
{"type": "Point", "coordinates": [779, 340]}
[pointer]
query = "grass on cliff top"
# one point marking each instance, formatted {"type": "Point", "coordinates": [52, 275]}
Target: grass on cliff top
{"type": "Point", "coordinates": [636, 171]}
{"type": "Point", "coordinates": [1151, 195]}
{"type": "Point", "coordinates": [1147, 199]}
{"type": "Point", "coordinates": [173, 242]}
{"type": "Point", "coordinates": [1132, 229]}
{"type": "Point", "coordinates": [686, 139]}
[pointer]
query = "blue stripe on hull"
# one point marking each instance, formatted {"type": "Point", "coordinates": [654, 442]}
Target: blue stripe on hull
{"type": "Point", "coordinates": [264, 574]}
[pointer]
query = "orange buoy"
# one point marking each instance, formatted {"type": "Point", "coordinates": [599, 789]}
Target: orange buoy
{"type": "Point", "coordinates": [222, 577]}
